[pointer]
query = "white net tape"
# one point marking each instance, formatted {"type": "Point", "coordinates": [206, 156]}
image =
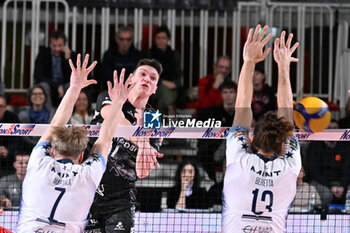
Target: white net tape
{"type": "Point", "coordinates": [171, 132]}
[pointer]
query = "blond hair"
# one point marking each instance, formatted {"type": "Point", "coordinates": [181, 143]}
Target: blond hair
{"type": "Point", "coordinates": [69, 141]}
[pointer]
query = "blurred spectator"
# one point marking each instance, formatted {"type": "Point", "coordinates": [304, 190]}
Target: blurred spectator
{"type": "Point", "coordinates": [11, 185]}
{"type": "Point", "coordinates": [7, 143]}
{"type": "Point", "coordinates": [264, 99]}
{"type": "Point", "coordinates": [225, 113]}
{"type": "Point", "coordinates": [344, 123]}
{"type": "Point", "coordinates": [170, 78]}
{"type": "Point", "coordinates": [83, 112]}
{"type": "Point", "coordinates": [208, 87]}
{"type": "Point", "coordinates": [121, 54]}
{"type": "Point", "coordinates": [187, 194]}
{"type": "Point", "coordinates": [327, 166]}
{"type": "Point", "coordinates": [304, 194]}
{"type": "Point", "coordinates": [52, 69]}
{"type": "Point", "coordinates": [38, 112]}
{"type": "Point", "coordinates": [215, 191]}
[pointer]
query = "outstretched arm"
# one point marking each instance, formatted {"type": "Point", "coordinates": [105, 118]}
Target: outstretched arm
{"type": "Point", "coordinates": [283, 56]}
{"type": "Point", "coordinates": [118, 94]}
{"type": "Point", "coordinates": [252, 54]}
{"type": "Point", "coordinates": [78, 81]}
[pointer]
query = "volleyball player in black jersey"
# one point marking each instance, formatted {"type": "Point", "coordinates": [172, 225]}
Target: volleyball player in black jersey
{"type": "Point", "coordinates": [114, 204]}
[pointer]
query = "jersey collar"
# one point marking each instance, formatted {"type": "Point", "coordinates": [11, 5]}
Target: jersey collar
{"type": "Point", "coordinates": [65, 161]}
{"type": "Point", "coordinates": [265, 159]}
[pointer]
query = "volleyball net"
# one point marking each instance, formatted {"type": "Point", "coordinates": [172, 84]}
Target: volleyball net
{"type": "Point", "coordinates": [319, 206]}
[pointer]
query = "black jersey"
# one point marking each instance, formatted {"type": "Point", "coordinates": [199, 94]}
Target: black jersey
{"type": "Point", "coordinates": [117, 190]}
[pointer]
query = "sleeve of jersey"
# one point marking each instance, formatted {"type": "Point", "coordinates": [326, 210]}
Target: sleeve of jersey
{"type": "Point", "coordinates": [102, 99]}
{"type": "Point", "coordinates": [292, 154]}
{"type": "Point", "coordinates": [94, 167]}
{"type": "Point", "coordinates": [236, 144]}
{"type": "Point", "coordinates": [40, 151]}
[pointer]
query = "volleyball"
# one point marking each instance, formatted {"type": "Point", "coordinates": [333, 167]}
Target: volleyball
{"type": "Point", "coordinates": [312, 115]}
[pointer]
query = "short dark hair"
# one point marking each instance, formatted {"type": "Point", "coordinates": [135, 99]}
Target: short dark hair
{"type": "Point", "coordinates": [270, 133]}
{"type": "Point", "coordinates": [224, 57]}
{"type": "Point", "coordinates": [23, 150]}
{"type": "Point", "coordinates": [125, 29]}
{"type": "Point", "coordinates": [164, 29]}
{"type": "Point", "coordinates": [228, 85]}
{"type": "Point", "coordinates": [58, 34]}
{"type": "Point", "coordinates": [150, 62]}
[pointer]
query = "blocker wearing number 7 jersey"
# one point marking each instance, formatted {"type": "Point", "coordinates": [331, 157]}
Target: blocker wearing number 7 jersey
{"type": "Point", "coordinates": [258, 191]}
{"type": "Point", "coordinates": [59, 185]}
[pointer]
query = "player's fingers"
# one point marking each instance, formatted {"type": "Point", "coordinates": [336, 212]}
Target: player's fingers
{"type": "Point", "coordinates": [128, 81]}
{"type": "Point", "coordinates": [277, 41]}
{"type": "Point", "coordinates": [109, 85]}
{"type": "Point", "coordinates": [86, 60]}
{"type": "Point", "coordinates": [160, 155]}
{"type": "Point", "coordinates": [264, 42]}
{"type": "Point", "coordinates": [250, 35]}
{"type": "Point", "coordinates": [71, 64]}
{"type": "Point", "coordinates": [121, 77]}
{"type": "Point", "coordinates": [266, 52]}
{"type": "Point", "coordinates": [282, 44]}
{"type": "Point", "coordinates": [295, 46]}
{"type": "Point", "coordinates": [289, 40]}
{"type": "Point", "coordinates": [257, 29]}
{"type": "Point", "coordinates": [91, 67]}
{"type": "Point", "coordinates": [78, 62]}
{"type": "Point", "coordinates": [294, 59]}
{"type": "Point", "coordinates": [91, 81]}
{"type": "Point", "coordinates": [115, 78]}
{"type": "Point", "coordinates": [155, 161]}
{"type": "Point", "coordinates": [262, 33]}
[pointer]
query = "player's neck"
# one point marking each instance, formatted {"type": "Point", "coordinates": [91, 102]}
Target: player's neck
{"type": "Point", "coordinates": [263, 153]}
{"type": "Point", "coordinates": [138, 101]}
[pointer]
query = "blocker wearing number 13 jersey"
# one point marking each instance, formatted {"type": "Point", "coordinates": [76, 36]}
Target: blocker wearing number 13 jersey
{"type": "Point", "coordinates": [51, 188]}
{"type": "Point", "coordinates": [258, 191]}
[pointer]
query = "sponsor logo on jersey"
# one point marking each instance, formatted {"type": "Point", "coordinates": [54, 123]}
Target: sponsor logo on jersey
{"type": "Point", "coordinates": [345, 135]}
{"type": "Point", "coordinates": [256, 229]}
{"type": "Point", "coordinates": [100, 189]}
{"type": "Point", "coordinates": [211, 133]}
{"type": "Point", "coordinates": [119, 227]}
{"type": "Point", "coordinates": [151, 120]}
{"type": "Point", "coordinates": [163, 133]}
{"type": "Point", "coordinates": [44, 231]}
{"type": "Point", "coordinates": [17, 129]}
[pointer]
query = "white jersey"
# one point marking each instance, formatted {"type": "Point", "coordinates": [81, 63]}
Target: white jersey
{"type": "Point", "coordinates": [258, 192]}
{"type": "Point", "coordinates": [57, 195]}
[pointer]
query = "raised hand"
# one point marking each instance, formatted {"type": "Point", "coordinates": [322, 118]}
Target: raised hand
{"type": "Point", "coordinates": [282, 52]}
{"type": "Point", "coordinates": [253, 47]}
{"type": "Point", "coordinates": [119, 91]}
{"type": "Point", "coordinates": [80, 74]}
{"type": "Point", "coordinates": [146, 159]}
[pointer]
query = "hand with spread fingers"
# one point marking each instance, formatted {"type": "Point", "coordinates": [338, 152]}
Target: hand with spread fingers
{"type": "Point", "coordinates": [79, 76]}
{"type": "Point", "coordinates": [282, 52]}
{"type": "Point", "coordinates": [120, 90]}
{"type": "Point", "coordinates": [253, 48]}
{"type": "Point", "coordinates": [146, 159]}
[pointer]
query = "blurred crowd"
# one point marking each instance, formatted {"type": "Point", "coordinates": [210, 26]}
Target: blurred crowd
{"type": "Point", "coordinates": [323, 181]}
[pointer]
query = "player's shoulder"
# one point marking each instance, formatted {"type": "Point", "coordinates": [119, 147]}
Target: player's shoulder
{"type": "Point", "coordinates": [238, 132]}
